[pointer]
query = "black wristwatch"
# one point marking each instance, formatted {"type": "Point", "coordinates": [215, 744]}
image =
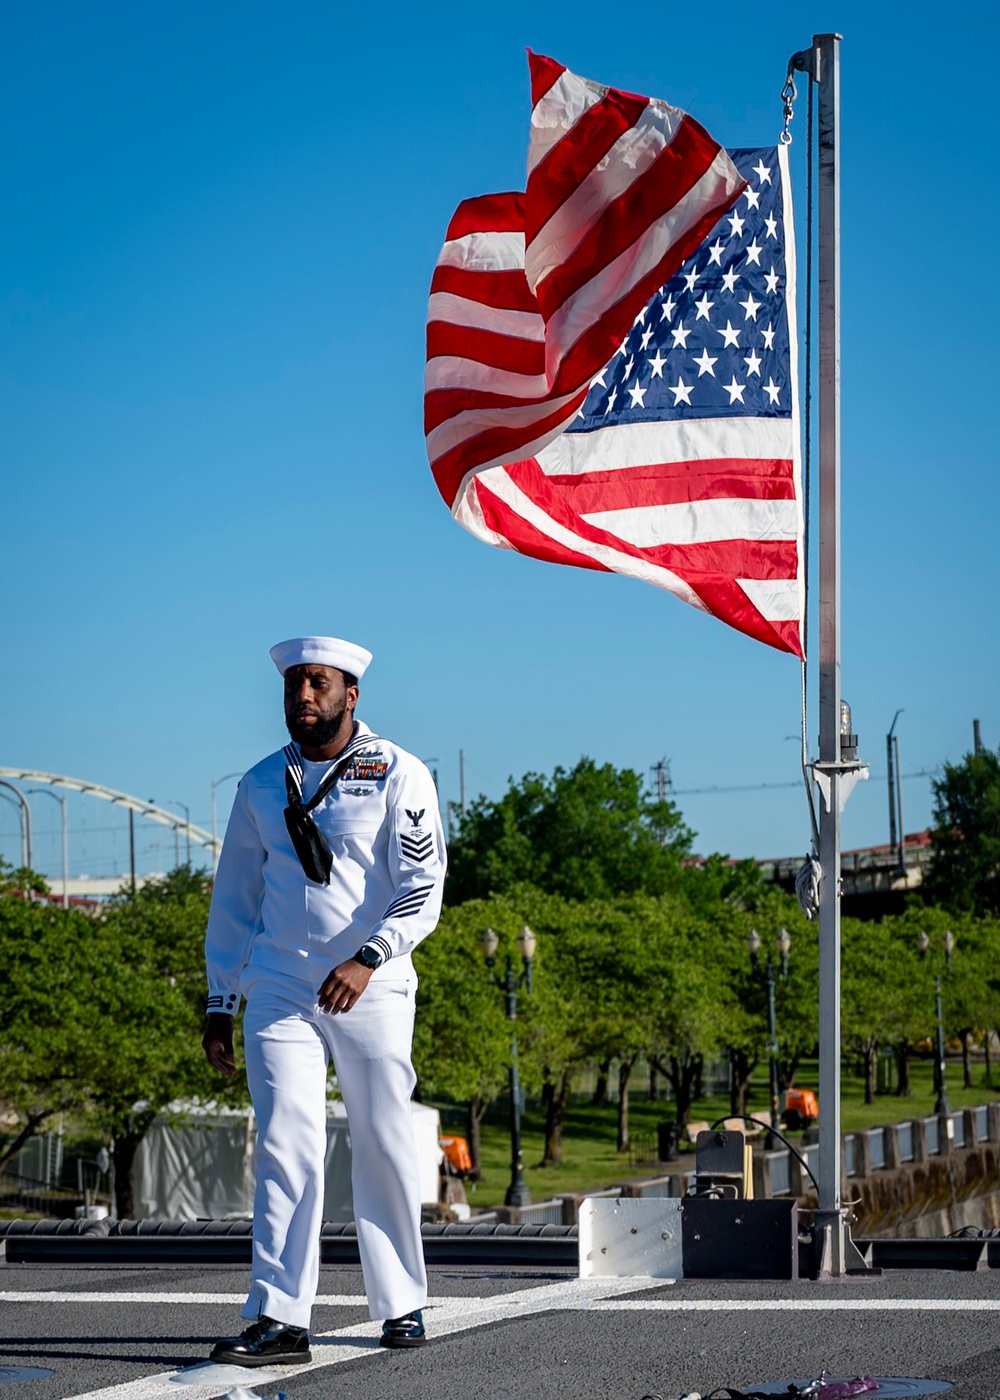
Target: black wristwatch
{"type": "Point", "coordinates": [369, 957]}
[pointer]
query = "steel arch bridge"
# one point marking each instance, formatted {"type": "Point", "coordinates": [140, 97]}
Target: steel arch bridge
{"type": "Point", "coordinates": [149, 810]}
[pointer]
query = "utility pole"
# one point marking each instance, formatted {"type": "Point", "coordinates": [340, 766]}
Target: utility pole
{"type": "Point", "coordinates": [899, 809]}
{"type": "Point", "coordinates": [131, 850]}
{"type": "Point", "coordinates": [664, 782]}
{"type": "Point", "coordinates": [461, 781]}
{"type": "Point", "coordinates": [892, 781]}
{"type": "Point", "coordinates": [895, 795]}
{"type": "Point", "coordinates": [977, 743]}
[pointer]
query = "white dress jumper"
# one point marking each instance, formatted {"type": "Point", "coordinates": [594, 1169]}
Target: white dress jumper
{"type": "Point", "coordinates": [273, 937]}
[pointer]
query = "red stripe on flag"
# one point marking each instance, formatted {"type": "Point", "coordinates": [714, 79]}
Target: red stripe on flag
{"type": "Point", "coordinates": [488, 213]}
{"type": "Point", "coordinates": [507, 291]}
{"type": "Point", "coordinates": [545, 73]}
{"type": "Point", "coordinates": [736, 558]}
{"type": "Point", "coordinates": [726, 600]}
{"type": "Point", "coordinates": [442, 404]}
{"type": "Point", "coordinates": [524, 538]}
{"type": "Point", "coordinates": [486, 347]}
{"type": "Point", "coordinates": [673, 483]}
{"type": "Point", "coordinates": [557, 174]}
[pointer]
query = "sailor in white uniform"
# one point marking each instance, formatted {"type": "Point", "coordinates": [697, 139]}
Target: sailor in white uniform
{"type": "Point", "coordinates": [330, 874]}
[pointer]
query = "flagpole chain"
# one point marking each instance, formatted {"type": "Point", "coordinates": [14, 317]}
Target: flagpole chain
{"type": "Point", "coordinates": [805, 61]}
{"type": "Point", "coordinates": [788, 95]}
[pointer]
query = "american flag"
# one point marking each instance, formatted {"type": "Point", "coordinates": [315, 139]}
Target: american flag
{"type": "Point", "coordinates": [533, 292]}
{"type": "Point", "coordinates": [679, 464]}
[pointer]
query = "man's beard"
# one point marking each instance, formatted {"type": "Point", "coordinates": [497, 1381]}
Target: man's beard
{"type": "Point", "coordinates": [321, 731]}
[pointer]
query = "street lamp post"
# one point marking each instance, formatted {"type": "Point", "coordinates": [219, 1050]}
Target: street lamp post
{"type": "Point", "coordinates": [941, 1104]}
{"type": "Point", "coordinates": [769, 974]}
{"type": "Point", "coordinates": [47, 792]}
{"type": "Point", "coordinates": [510, 984]}
{"type": "Point", "coordinates": [26, 856]}
{"type": "Point", "coordinates": [187, 822]}
{"type": "Point", "coordinates": [217, 783]}
{"type": "Point", "coordinates": [20, 823]}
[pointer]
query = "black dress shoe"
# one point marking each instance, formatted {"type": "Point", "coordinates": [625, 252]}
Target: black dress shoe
{"type": "Point", "coordinates": [264, 1343]}
{"type": "Point", "coordinates": [405, 1331]}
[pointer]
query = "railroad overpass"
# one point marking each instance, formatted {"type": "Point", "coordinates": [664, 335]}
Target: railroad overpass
{"type": "Point", "coordinates": [874, 882]}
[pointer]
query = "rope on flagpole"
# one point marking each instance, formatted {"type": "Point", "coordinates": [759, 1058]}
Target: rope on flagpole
{"type": "Point", "coordinates": [807, 881]}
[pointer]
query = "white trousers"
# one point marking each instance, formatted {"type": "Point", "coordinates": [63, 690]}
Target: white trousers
{"type": "Point", "coordinates": [288, 1045]}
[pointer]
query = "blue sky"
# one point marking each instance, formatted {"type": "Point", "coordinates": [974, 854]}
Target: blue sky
{"type": "Point", "coordinates": [219, 228]}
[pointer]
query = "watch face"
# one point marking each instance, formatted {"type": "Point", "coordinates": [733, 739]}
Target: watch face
{"type": "Point", "coordinates": [369, 957]}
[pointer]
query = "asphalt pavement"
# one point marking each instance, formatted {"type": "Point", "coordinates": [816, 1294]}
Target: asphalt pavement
{"type": "Point", "coordinates": [144, 1333]}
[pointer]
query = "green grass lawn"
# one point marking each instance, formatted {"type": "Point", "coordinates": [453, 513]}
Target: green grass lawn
{"type": "Point", "coordinates": [591, 1160]}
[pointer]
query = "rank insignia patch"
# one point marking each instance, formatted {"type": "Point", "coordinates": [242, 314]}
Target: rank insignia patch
{"type": "Point", "coordinates": [416, 842]}
{"type": "Point", "coordinates": [416, 846]}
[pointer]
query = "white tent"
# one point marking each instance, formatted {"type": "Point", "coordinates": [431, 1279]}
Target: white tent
{"type": "Point", "coordinates": [196, 1162]}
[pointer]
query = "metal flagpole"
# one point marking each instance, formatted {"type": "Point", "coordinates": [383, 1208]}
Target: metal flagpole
{"type": "Point", "coordinates": [837, 769]}
{"type": "Point", "coordinates": [830, 1225]}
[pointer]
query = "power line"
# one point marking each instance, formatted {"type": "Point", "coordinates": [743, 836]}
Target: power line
{"type": "Point", "coordinates": [767, 787]}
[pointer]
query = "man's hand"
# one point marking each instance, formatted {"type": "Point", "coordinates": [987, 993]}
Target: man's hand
{"type": "Point", "coordinates": [343, 986]}
{"type": "Point", "coordinates": [218, 1043]}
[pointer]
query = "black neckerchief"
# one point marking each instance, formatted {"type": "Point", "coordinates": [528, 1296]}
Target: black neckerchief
{"type": "Point", "coordinates": [311, 846]}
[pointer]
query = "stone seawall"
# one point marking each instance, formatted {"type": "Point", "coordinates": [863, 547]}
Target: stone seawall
{"type": "Point", "coordinates": [930, 1198]}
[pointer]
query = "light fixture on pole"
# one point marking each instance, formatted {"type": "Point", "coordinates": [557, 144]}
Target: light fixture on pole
{"type": "Point", "coordinates": [217, 783]}
{"type": "Point", "coordinates": [26, 856]}
{"type": "Point", "coordinates": [25, 823]}
{"type": "Point", "coordinates": [187, 824]}
{"type": "Point", "coordinates": [47, 792]}
{"type": "Point", "coordinates": [768, 974]}
{"type": "Point", "coordinates": [941, 1104]}
{"type": "Point", "coordinates": [20, 823]}
{"type": "Point", "coordinates": [510, 984]}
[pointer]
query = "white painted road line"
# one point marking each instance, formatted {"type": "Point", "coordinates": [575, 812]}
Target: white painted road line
{"type": "Point", "coordinates": [793, 1305]}
{"type": "Point", "coordinates": [572, 1293]}
{"type": "Point", "coordinates": [445, 1316]}
{"type": "Point", "coordinates": [328, 1300]}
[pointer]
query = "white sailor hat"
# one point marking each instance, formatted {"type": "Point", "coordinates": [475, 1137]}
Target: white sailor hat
{"type": "Point", "coordinates": [321, 651]}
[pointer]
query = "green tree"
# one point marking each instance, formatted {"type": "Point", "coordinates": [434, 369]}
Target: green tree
{"type": "Point", "coordinates": [100, 1016]}
{"type": "Point", "coordinates": [909, 1014]}
{"type": "Point", "coordinates": [554, 1036]}
{"type": "Point", "coordinates": [875, 987]}
{"type": "Point", "coordinates": [614, 967]}
{"type": "Point", "coordinates": [461, 1039]}
{"type": "Point", "coordinates": [726, 931]}
{"type": "Point", "coordinates": [21, 880]}
{"type": "Point", "coordinates": [889, 986]}
{"type": "Point", "coordinates": [49, 1022]}
{"type": "Point", "coordinates": [151, 989]}
{"type": "Point", "coordinates": [588, 833]}
{"type": "Point", "coordinates": [965, 865]}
